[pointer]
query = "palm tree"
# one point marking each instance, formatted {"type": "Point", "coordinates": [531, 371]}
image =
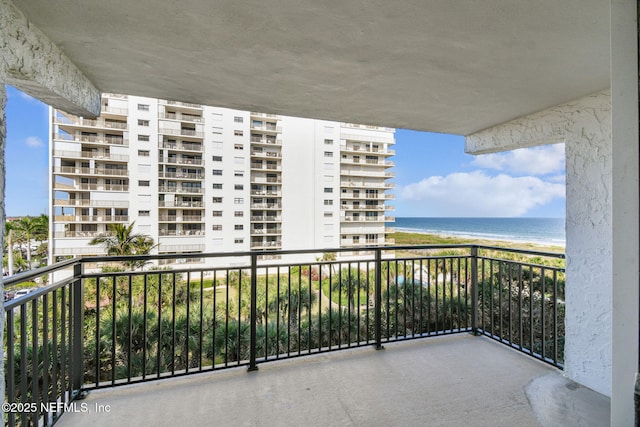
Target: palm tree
{"type": "Point", "coordinates": [31, 228]}
{"type": "Point", "coordinates": [121, 240]}
{"type": "Point", "coordinates": [8, 231]}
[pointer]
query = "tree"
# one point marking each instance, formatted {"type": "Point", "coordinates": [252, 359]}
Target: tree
{"type": "Point", "coordinates": [121, 240]}
{"type": "Point", "coordinates": [29, 228]}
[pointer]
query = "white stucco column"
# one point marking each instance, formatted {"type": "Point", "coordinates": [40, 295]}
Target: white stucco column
{"type": "Point", "coordinates": [625, 212]}
{"type": "Point", "coordinates": [584, 126]}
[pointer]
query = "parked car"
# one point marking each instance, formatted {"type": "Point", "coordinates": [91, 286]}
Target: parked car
{"type": "Point", "coordinates": [22, 292]}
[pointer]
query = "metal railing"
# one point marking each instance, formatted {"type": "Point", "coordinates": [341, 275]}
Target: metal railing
{"type": "Point", "coordinates": [138, 320]}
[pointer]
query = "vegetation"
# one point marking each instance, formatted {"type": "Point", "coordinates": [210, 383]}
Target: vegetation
{"type": "Point", "coordinates": [121, 240]}
{"type": "Point", "coordinates": [22, 232]}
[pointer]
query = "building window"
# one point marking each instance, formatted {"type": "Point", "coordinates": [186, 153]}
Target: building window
{"type": "Point", "coordinates": [143, 107]}
{"type": "Point", "coordinates": [328, 202]}
{"type": "Point", "coordinates": [143, 183]}
{"type": "Point", "coordinates": [238, 174]}
{"type": "Point", "coordinates": [217, 227]}
{"type": "Point", "coordinates": [217, 186]}
{"type": "Point", "coordinates": [216, 130]}
{"type": "Point", "coordinates": [238, 213]}
{"type": "Point", "coordinates": [328, 189]}
{"type": "Point", "coordinates": [328, 214]}
{"type": "Point", "coordinates": [238, 241]}
{"type": "Point", "coordinates": [143, 122]}
{"type": "Point", "coordinates": [238, 160]}
{"type": "Point", "coordinates": [216, 213]}
{"type": "Point", "coordinates": [143, 153]}
{"type": "Point", "coordinates": [217, 158]}
{"type": "Point", "coordinates": [238, 227]}
{"type": "Point", "coordinates": [143, 138]}
{"type": "Point", "coordinates": [238, 119]}
{"type": "Point", "coordinates": [328, 153]}
{"type": "Point", "coordinates": [144, 213]}
{"type": "Point", "coordinates": [238, 147]}
{"type": "Point", "coordinates": [238, 187]}
{"type": "Point", "coordinates": [238, 200]}
{"type": "Point", "coordinates": [217, 172]}
{"type": "Point", "coordinates": [328, 141]}
{"type": "Point", "coordinates": [238, 133]}
{"type": "Point", "coordinates": [216, 199]}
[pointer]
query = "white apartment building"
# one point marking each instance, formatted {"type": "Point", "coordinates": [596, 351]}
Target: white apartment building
{"type": "Point", "coordinates": [205, 179]}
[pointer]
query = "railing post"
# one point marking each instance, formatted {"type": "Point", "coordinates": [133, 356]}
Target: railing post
{"type": "Point", "coordinates": [254, 320]}
{"type": "Point", "coordinates": [378, 300]}
{"type": "Point", "coordinates": [77, 330]}
{"type": "Point", "coordinates": [474, 290]}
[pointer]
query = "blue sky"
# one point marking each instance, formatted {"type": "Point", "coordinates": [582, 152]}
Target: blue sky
{"type": "Point", "coordinates": [433, 175]}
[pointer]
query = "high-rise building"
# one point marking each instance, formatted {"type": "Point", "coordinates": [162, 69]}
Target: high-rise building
{"type": "Point", "coordinates": [205, 179]}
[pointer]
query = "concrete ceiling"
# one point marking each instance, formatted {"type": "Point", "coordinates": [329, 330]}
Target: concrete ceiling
{"type": "Point", "coordinates": [454, 66]}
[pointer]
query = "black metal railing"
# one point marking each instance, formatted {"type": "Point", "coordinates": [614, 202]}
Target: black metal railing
{"type": "Point", "coordinates": [106, 321]}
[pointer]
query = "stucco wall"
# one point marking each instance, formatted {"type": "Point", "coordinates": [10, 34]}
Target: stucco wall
{"type": "Point", "coordinates": [585, 127]}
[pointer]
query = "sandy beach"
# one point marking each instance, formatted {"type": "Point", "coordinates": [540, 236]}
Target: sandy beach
{"type": "Point", "coordinates": [405, 238]}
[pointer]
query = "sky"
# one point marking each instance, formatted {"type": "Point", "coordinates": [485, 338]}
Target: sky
{"type": "Point", "coordinates": [433, 175]}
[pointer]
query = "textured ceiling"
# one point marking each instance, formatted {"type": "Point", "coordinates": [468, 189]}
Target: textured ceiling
{"type": "Point", "coordinates": [455, 66]}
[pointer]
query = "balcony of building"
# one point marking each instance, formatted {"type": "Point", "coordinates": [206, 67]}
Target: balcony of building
{"type": "Point", "coordinates": [366, 172]}
{"type": "Point", "coordinates": [97, 171]}
{"type": "Point", "coordinates": [183, 106]}
{"type": "Point", "coordinates": [265, 140]}
{"type": "Point", "coordinates": [265, 126]}
{"type": "Point", "coordinates": [473, 328]}
{"type": "Point", "coordinates": [91, 218]}
{"type": "Point", "coordinates": [368, 162]}
{"type": "Point", "coordinates": [264, 217]}
{"type": "Point", "coordinates": [258, 152]}
{"type": "Point", "coordinates": [72, 122]}
{"type": "Point", "coordinates": [108, 111]}
{"type": "Point", "coordinates": [92, 139]}
{"type": "Point", "coordinates": [180, 203]}
{"type": "Point", "coordinates": [180, 190]}
{"type": "Point", "coordinates": [181, 160]}
{"type": "Point", "coordinates": [262, 231]}
{"type": "Point", "coordinates": [181, 232]}
{"type": "Point", "coordinates": [363, 149]}
{"type": "Point", "coordinates": [182, 132]}
{"type": "Point", "coordinates": [366, 218]}
{"type": "Point", "coordinates": [181, 175]}
{"type": "Point", "coordinates": [91, 203]}
{"type": "Point", "coordinates": [179, 116]}
{"type": "Point", "coordinates": [266, 166]}
{"type": "Point", "coordinates": [182, 146]}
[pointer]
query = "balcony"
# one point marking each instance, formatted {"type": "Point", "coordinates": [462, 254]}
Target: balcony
{"type": "Point", "coordinates": [100, 155]}
{"type": "Point", "coordinates": [181, 175]}
{"type": "Point", "coordinates": [266, 141]}
{"type": "Point", "coordinates": [182, 132]}
{"type": "Point", "coordinates": [65, 332]}
{"type": "Point", "coordinates": [181, 117]}
{"type": "Point", "coordinates": [93, 123]}
{"type": "Point", "coordinates": [167, 232]}
{"type": "Point", "coordinates": [266, 231]}
{"type": "Point", "coordinates": [182, 146]}
{"type": "Point", "coordinates": [180, 190]}
{"type": "Point", "coordinates": [180, 161]}
{"type": "Point", "coordinates": [93, 139]}
{"type": "Point", "coordinates": [72, 170]}
{"type": "Point", "coordinates": [366, 172]}
{"type": "Point", "coordinates": [114, 110]}
{"type": "Point", "coordinates": [90, 202]}
{"type": "Point", "coordinates": [180, 204]}
{"type": "Point", "coordinates": [266, 166]}
{"type": "Point", "coordinates": [266, 205]}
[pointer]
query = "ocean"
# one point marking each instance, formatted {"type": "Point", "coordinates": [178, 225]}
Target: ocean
{"type": "Point", "coordinates": [548, 231]}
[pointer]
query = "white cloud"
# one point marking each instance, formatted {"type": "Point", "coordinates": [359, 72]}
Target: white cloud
{"type": "Point", "coordinates": [526, 161]}
{"type": "Point", "coordinates": [477, 194]}
{"type": "Point", "coordinates": [34, 142]}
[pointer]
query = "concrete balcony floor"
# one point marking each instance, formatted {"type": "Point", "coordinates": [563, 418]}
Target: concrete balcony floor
{"type": "Point", "coordinates": [456, 380]}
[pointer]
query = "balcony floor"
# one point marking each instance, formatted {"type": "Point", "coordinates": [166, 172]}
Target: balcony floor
{"type": "Point", "coordinates": [445, 381]}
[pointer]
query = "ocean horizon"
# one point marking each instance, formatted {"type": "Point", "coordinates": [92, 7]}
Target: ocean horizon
{"type": "Point", "coordinates": [547, 231]}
